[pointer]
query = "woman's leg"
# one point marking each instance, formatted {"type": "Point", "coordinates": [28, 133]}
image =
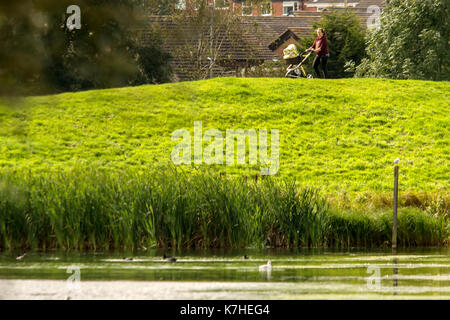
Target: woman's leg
{"type": "Point", "coordinates": [324, 60]}
{"type": "Point", "coordinates": [316, 66]}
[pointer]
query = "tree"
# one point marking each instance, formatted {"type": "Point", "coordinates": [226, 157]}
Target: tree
{"type": "Point", "coordinates": [412, 42]}
{"type": "Point", "coordinates": [162, 7]}
{"type": "Point", "coordinates": [208, 39]}
{"type": "Point", "coordinates": [19, 49]}
{"type": "Point", "coordinates": [153, 62]}
{"type": "Point", "coordinates": [345, 40]}
{"type": "Point", "coordinates": [41, 53]}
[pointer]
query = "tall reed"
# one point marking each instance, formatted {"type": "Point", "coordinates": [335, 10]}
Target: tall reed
{"type": "Point", "coordinates": [85, 208]}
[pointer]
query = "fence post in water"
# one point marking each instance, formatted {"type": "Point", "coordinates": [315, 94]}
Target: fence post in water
{"type": "Point", "coordinates": [394, 221]}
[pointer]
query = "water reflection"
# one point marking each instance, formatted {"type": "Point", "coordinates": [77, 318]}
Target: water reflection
{"type": "Point", "coordinates": [266, 275]}
{"type": "Point", "coordinates": [294, 274]}
{"type": "Point", "coordinates": [395, 273]}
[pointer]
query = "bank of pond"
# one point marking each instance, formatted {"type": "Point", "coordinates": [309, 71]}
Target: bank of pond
{"type": "Point", "coordinates": [98, 210]}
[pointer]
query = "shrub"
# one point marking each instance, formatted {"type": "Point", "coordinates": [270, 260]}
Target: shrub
{"type": "Point", "coordinates": [412, 42]}
{"type": "Point", "coordinates": [345, 41]}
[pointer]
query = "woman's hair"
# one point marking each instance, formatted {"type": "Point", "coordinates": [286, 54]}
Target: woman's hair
{"type": "Point", "coordinates": [323, 31]}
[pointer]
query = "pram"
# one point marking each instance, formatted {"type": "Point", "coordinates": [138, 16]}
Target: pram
{"type": "Point", "coordinates": [295, 61]}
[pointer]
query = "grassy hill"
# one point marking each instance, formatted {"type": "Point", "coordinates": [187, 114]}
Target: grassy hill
{"type": "Point", "coordinates": [336, 134]}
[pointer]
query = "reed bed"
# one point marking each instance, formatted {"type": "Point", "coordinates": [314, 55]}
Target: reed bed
{"type": "Point", "coordinates": [91, 209]}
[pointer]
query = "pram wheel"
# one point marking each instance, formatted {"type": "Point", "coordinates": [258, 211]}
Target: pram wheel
{"type": "Point", "coordinates": [293, 73]}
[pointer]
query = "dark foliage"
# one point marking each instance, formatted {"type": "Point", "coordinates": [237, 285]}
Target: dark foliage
{"type": "Point", "coordinates": [40, 54]}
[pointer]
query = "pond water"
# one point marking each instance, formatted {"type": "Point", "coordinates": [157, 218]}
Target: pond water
{"type": "Point", "coordinates": [225, 274]}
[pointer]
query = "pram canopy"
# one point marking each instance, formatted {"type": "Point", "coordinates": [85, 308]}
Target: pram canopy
{"type": "Point", "coordinates": [291, 52]}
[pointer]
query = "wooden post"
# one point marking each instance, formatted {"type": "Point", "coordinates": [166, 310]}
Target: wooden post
{"type": "Point", "coordinates": [394, 222]}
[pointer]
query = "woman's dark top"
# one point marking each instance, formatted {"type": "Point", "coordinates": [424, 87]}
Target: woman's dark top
{"type": "Point", "coordinates": [321, 43]}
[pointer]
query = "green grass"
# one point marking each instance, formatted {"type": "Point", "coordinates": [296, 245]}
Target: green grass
{"type": "Point", "coordinates": [338, 136]}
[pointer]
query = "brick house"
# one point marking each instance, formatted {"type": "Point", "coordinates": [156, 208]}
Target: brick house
{"type": "Point", "coordinates": [266, 38]}
{"type": "Point", "coordinates": [280, 8]}
{"type": "Point", "coordinates": [320, 5]}
{"type": "Point", "coordinates": [236, 55]}
{"type": "Point", "coordinates": [274, 8]}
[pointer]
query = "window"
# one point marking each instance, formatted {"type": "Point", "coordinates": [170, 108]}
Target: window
{"type": "Point", "coordinates": [247, 8]}
{"type": "Point", "coordinates": [266, 8]}
{"type": "Point", "coordinates": [221, 4]}
{"type": "Point", "coordinates": [289, 8]}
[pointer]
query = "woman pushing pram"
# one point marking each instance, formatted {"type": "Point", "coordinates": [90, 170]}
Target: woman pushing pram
{"type": "Point", "coordinates": [295, 59]}
{"type": "Point", "coordinates": [320, 47]}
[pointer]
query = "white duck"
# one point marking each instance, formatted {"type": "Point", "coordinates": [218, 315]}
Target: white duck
{"type": "Point", "coordinates": [266, 267]}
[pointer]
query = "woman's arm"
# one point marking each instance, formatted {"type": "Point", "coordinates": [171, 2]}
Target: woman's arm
{"type": "Point", "coordinates": [312, 47]}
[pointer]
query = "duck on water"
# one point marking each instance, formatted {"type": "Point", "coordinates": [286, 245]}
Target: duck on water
{"type": "Point", "coordinates": [266, 267]}
{"type": "Point", "coordinates": [169, 259]}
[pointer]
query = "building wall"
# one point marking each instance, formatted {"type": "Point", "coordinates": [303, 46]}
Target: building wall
{"type": "Point", "coordinates": [277, 7]}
